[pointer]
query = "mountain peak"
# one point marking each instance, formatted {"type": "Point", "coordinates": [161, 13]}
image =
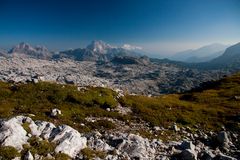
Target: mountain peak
{"type": "Point", "coordinates": [26, 46]}
{"type": "Point", "coordinates": [99, 46]}
{"type": "Point", "coordinates": [41, 48]}
{"type": "Point", "coordinates": [27, 50]}
{"type": "Point", "coordinates": [22, 48]}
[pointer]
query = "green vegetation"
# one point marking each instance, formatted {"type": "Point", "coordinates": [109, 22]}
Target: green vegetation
{"type": "Point", "coordinates": [209, 108]}
{"type": "Point", "coordinates": [62, 156]}
{"type": "Point", "coordinates": [39, 99]}
{"type": "Point", "coordinates": [101, 124]}
{"type": "Point", "coordinates": [26, 127]}
{"type": "Point", "coordinates": [40, 147]}
{"type": "Point", "coordinates": [89, 154]}
{"type": "Point", "coordinates": [8, 153]}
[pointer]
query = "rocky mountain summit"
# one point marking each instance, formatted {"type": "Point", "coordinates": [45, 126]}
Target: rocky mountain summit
{"type": "Point", "coordinates": [25, 49]}
{"type": "Point", "coordinates": [97, 51]}
{"type": "Point", "coordinates": [100, 47]}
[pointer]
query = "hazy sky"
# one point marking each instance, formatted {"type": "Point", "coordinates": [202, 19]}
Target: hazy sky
{"type": "Point", "coordinates": [159, 26]}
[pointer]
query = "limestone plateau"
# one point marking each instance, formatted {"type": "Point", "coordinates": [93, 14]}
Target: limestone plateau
{"type": "Point", "coordinates": [100, 64]}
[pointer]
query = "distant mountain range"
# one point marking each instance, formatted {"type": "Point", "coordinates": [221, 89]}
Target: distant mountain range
{"type": "Point", "coordinates": [99, 51]}
{"type": "Point", "coordinates": [2, 52]}
{"type": "Point", "coordinates": [96, 51]}
{"type": "Point", "coordinates": [230, 59]}
{"type": "Point", "coordinates": [203, 54]}
{"type": "Point", "coordinates": [215, 56]}
{"type": "Point", "coordinates": [25, 49]}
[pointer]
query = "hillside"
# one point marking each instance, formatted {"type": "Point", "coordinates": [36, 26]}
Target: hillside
{"type": "Point", "coordinates": [192, 115]}
{"type": "Point", "coordinates": [230, 59]}
{"type": "Point", "coordinates": [216, 103]}
{"type": "Point", "coordinates": [203, 54]}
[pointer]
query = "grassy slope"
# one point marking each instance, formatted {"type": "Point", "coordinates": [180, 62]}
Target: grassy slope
{"type": "Point", "coordinates": [210, 108]}
{"type": "Point", "coordinates": [39, 99]}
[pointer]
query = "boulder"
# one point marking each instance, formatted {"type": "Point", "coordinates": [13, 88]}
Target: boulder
{"type": "Point", "coordinates": [28, 156]}
{"type": "Point", "coordinates": [136, 147]}
{"type": "Point", "coordinates": [12, 133]}
{"type": "Point", "coordinates": [68, 140]}
{"type": "Point", "coordinates": [37, 157]}
{"type": "Point", "coordinates": [188, 155]}
{"type": "Point", "coordinates": [99, 145]}
{"type": "Point", "coordinates": [237, 98]}
{"type": "Point", "coordinates": [222, 139]}
{"type": "Point", "coordinates": [156, 128]}
{"type": "Point", "coordinates": [187, 145]}
{"type": "Point", "coordinates": [55, 112]}
{"type": "Point", "coordinates": [157, 143]}
{"type": "Point", "coordinates": [175, 128]}
{"type": "Point", "coordinates": [34, 80]}
{"type": "Point", "coordinates": [41, 129]}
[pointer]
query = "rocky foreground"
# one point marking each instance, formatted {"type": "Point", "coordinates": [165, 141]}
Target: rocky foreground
{"type": "Point", "coordinates": [116, 146]}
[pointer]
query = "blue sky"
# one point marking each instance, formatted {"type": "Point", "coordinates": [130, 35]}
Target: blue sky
{"type": "Point", "coordinates": [159, 26]}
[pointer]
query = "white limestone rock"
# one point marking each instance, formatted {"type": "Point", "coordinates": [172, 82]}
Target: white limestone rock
{"type": "Point", "coordinates": [41, 129]}
{"type": "Point", "coordinates": [28, 156]}
{"type": "Point", "coordinates": [68, 140]}
{"type": "Point", "coordinates": [136, 147]}
{"type": "Point", "coordinates": [111, 157]}
{"type": "Point", "coordinates": [55, 112]}
{"type": "Point", "coordinates": [175, 128]}
{"type": "Point", "coordinates": [99, 145]}
{"type": "Point", "coordinates": [12, 133]}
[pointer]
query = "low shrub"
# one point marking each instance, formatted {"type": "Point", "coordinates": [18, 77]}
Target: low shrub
{"type": "Point", "coordinates": [62, 156]}
{"type": "Point", "coordinates": [8, 153]}
{"type": "Point", "coordinates": [89, 154]}
{"type": "Point", "coordinates": [41, 147]}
